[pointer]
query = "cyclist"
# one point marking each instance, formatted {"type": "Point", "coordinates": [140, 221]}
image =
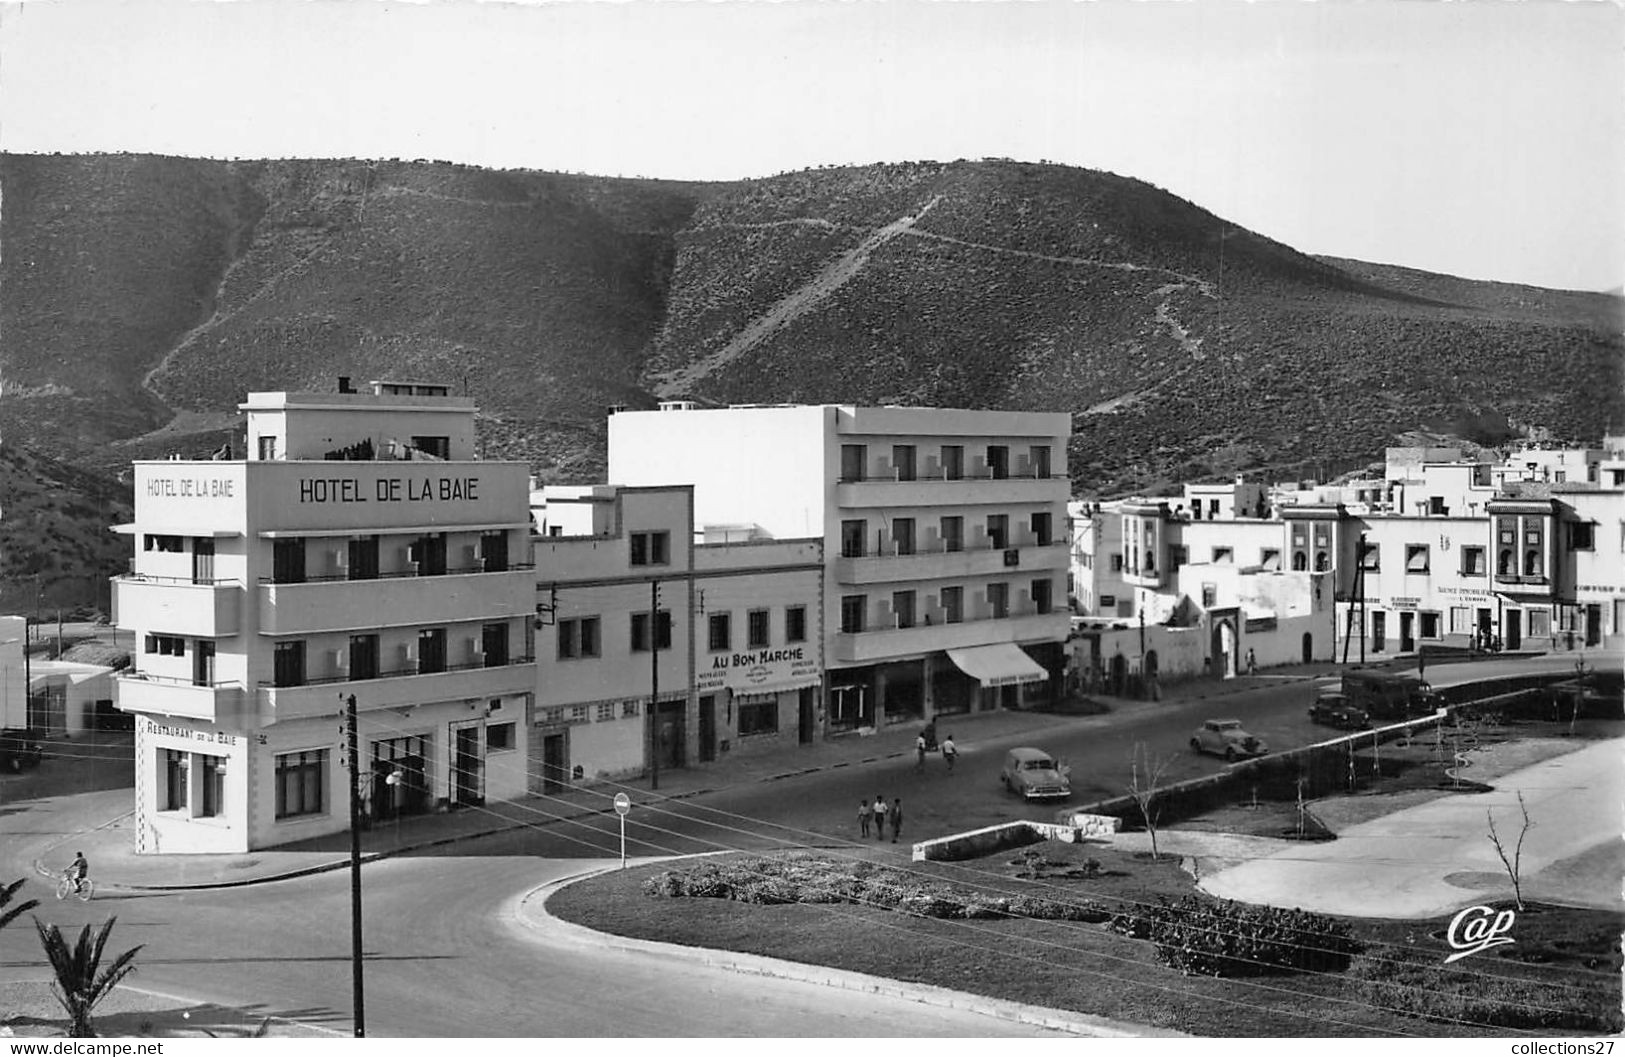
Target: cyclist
{"type": "Point", "coordinates": [78, 871]}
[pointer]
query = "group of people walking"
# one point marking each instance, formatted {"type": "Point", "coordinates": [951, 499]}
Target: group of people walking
{"type": "Point", "coordinates": [927, 740]}
{"type": "Point", "coordinates": [878, 815]}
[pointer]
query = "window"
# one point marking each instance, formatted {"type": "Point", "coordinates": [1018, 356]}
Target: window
{"type": "Point", "coordinates": [1371, 560]}
{"type": "Point", "coordinates": [902, 461]}
{"type": "Point", "coordinates": [953, 605]}
{"type": "Point", "coordinates": [1178, 554]}
{"type": "Point", "coordinates": [629, 709]}
{"type": "Point", "coordinates": [758, 628]}
{"type": "Point", "coordinates": [640, 631]}
{"type": "Point", "coordinates": [902, 607]}
{"type": "Point", "coordinates": [795, 624]}
{"type": "Point", "coordinates": [853, 535]}
{"type": "Point", "coordinates": [430, 554]}
{"type": "Point", "coordinates": [1505, 564]}
{"type": "Point", "coordinates": [267, 449]}
{"type": "Point", "coordinates": [1117, 563]}
{"type": "Point", "coordinates": [1042, 596]}
{"type": "Point", "coordinates": [203, 560]}
{"type": "Point", "coordinates": [1472, 561]}
{"type": "Point", "coordinates": [953, 533]}
{"type": "Point", "coordinates": [362, 555]}
{"type": "Point", "coordinates": [854, 461]}
{"type": "Point", "coordinates": [902, 535]}
{"type": "Point", "coordinates": [439, 447]}
{"type": "Point", "coordinates": [578, 713]}
{"type": "Point", "coordinates": [720, 632]}
{"type": "Point", "coordinates": [1212, 509]}
{"type": "Point", "coordinates": [1042, 529]}
{"type": "Point", "coordinates": [1531, 563]}
{"type": "Point", "coordinates": [166, 645]}
{"type": "Point", "coordinates": [1416, 557]}
{"type": "Point", "coordinates": [494, 552]}
{"type": "Point", "coordinates": [852, 613]}
{"type": "Point", "coordinates": [494, 644]}
{"type": "Point", "coordinates": [499, 737]}
{"type": "Point", "coordinates": [758, 717]}
{"type": "Point", "coordinates": [953, 462]}
{"type": "Point", "coordinates": [363, 656]}
{"type": "Point", "coordinates": [288, 561]}
{"type": "Point", "coordinates": [1040, 460]}
{"type": "Point", "coordinates": [165, 544]}
{"type": "Point", "coordinates": [1430, 625]}
{"type": "Point", "coordinates": [301, 783]}
{"type": "Point", "coordinates": [651, 548]}
{"type": "Point", "coordinates": [1540, 623]}
{"type": "Point", "coordinates": [1461, 620]}
{"type": "Point", "coordinates": [1582, 537]}
{"type": "Point", "coordinates": [289, 664]}
{"type": "Point", "coordinates": [606, 711]}
{"type": "Point", "coordinates": [998, 531]}
{"type": "Point", "coordinates": [998, 461]}
{"type": "Point", "coordinates": [175, 766]}
{"type": "Point", "coordinates": [998, 600]}
{"type": "Point", "coordinates": [203, 662]}
{"type": "Point", "coordinates": [1223, 554]}
{"type": "Point", "coordinates": [578, 637]}
{"type": "Point", "coordinates": [214, 785]}
{"type": "Point", "coordinates": [1323, 561]}
{"type": "Point", "coordinates": [431, 651]}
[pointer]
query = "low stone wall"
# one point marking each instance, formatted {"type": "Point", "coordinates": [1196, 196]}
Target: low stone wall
{"type": "Point", "coordinates": [979, 842]}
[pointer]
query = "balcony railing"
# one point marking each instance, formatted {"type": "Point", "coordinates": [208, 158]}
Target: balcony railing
{"type": "Point", "coordinates": [398, 673]}
{"type": "Point", "coordinates": [320, 697]}
{"type": "Point", "coordinates": [877, 644]}
{"type": "Point", "coordinates": [397, 574]}
{"type": "Point", "coordinates": [215, 702]}
{"type": "Point", "coordinates": [935, 562]}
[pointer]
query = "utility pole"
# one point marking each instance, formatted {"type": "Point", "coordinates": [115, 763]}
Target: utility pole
{"type": "Point", "coordinates": [654, 684]}
{"type": "Point", "coordinates": [355, 868]}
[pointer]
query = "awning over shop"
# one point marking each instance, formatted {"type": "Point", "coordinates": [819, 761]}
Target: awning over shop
{"type": "Point", "coordinates": [1001, 664]}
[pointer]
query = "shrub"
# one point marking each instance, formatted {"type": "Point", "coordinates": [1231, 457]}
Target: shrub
{"type": "Point", "coordinates": [1224, 938]}
{"type": "Point", "coordinates": [1419, 983]}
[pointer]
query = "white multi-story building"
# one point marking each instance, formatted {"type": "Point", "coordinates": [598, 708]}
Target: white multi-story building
{"type": "Point", "coordinates": [943, 533]}
{"type": "Point", "coordinates": [360, 551]}
{"type": "Point", "coordinates": [738, 636]}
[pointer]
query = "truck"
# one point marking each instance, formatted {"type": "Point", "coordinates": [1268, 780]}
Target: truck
{"type": "Point", "coordinates": [1390, 696]}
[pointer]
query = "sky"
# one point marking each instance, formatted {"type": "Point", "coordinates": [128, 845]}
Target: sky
{"type": "Point", "coordinates": [1480, 138]}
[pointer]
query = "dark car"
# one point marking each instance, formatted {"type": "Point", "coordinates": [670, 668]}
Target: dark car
{"type": "Point", "coordinates": [19, 749]}
{"type": "Point", "coordinates": [1335, 710]}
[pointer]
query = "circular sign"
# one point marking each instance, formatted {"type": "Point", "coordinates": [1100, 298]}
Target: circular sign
{"type": "Point", "coordinates": [623, 803]}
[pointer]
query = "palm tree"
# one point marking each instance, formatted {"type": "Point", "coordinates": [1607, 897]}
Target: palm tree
{"type": "Point", "coordinates": [6, 892]}
{"type": "Point", "coordinates": [81, 982]}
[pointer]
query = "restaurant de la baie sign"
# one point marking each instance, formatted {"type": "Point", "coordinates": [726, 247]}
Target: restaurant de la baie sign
{"type": "Point", "coordinates": [758, 671]}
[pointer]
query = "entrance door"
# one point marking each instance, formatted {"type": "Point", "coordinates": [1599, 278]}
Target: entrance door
{"type": "Point", "coordinates": [808, 718]}
{"type": "Point", "coordinates": [468, 769]}
{"type": "Point", "coordinates": [1514, 625]}
{"type": "Point", "coordinates": [1379, 630]}
{"type": "Point", "coordinates": [1407, 632]}
{"type": "Point", "coordinates": [1593, 624]}
{"type": "Point", "coordinates": [1308, 648]}
{"type": "Point", "coordinates": [708, 728]}
{"type": "Point", "coordinates": [669, 734]}
{"type": "Point", "coordinates": [553, 763]}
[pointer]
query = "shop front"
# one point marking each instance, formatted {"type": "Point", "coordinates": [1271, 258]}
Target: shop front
{"type": "Point", "coordinates": [757, 700]}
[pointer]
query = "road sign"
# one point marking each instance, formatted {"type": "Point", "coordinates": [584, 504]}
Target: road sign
{"type": "Point", "coordinates": [623, 803]}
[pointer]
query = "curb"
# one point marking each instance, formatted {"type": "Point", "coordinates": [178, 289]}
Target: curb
{"type": "Point", "coordinates": [530, 910]}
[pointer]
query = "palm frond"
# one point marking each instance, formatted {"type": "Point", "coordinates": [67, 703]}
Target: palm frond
{"type": "Point", "coordinates": [6, 894]}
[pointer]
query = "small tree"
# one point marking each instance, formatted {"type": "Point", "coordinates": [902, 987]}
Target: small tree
{"type": "Point", "coordinates": [1514, 864]}
{"type": "Point", "coordinates": [81, 981]}
{"type": "Point", "coordinates": [6, 894]}
{"type": "Point", "coordinates": [1145, 780]}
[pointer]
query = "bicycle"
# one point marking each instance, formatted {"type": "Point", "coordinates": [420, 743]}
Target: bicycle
{"type": "Point", "coordinates": [84, 888]}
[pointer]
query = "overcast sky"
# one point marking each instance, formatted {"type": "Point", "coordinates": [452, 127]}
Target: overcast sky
{"type": "Point", "coordinates": [1483, 139]}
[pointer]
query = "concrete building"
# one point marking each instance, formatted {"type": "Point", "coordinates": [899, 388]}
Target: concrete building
{"type": "Point", "coordinates": [13, 677]}
{"type": "Point", "coordinates": [943, 534]}
{"type": "Point", "coordinates": [361, 550]}
{"type": "Point", "coordinates": [739, 636]}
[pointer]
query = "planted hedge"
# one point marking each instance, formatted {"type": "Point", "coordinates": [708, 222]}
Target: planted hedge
{"type": "Point", "coordinates": [1223, 938]}
{"type": "Point", "coordinates": [814, 879]}
{"type": "Point", "coordinates": [1417, 982]}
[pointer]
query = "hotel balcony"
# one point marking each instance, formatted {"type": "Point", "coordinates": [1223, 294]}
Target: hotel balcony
{"type": "Point", "coordinates": [396, 689]}
{"type": "Point", "coordinates": [164, 696]}
{"type": "Point", "coordinates": [954, 491]}
{"type": "Point", "coordinates": [979, 559]}
{"type": "Point", "coordinates": [335, 605]}
{"type": "Point", "coordinates": [883, 644]}
{"type": "Point", "coordinates": [177, 606]}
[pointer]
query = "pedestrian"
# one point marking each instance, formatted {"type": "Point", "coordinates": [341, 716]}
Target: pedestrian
{"type": "Point", "coordinates": [919, 752]}
{"type": "Point", "coordinates": [1252, 663]}
{"type": "Point", "coordinates": [880, 818]}
{"type": "Point", "coordinates": [866, 815]}
{"type": "Point", "coordinates": [896, 814]}
{"type": "Point", "coordinates": [949, 750]}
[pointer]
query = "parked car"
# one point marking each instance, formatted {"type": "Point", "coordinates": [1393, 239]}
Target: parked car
{"type": "Point", "coordinates": [1224, 737]}
{"type": "Point", "coordinates": [19, 749]}
{"type": "Point", "coordinates": [1034, 774]}
{"type": "Point", "coordinates": [1336, 710]}
{"type": "Point", "coordinates": [1386, 695]}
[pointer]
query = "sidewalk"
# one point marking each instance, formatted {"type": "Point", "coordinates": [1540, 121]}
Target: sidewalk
{"type": "Point", "coordinates": [41, 835]}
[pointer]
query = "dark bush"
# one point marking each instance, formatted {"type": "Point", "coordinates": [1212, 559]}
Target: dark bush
{"type": "Point", "coordinates": [1224, 938]}
{"type": "Point", "coordinates": [1418, 982]}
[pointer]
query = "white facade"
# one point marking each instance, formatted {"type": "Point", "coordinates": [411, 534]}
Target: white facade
{"type": "Point", "coordinates": [264, 593]}
{"type": "Point", "coordinates": [13, 688]}
{"type": "Point", "coordinates": [943, 532]}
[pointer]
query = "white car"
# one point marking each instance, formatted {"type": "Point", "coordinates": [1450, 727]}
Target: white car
{"type": "Point", "coordinates": [1225, 737]}
{"type": "Point", "coordinates": [1034, 774]}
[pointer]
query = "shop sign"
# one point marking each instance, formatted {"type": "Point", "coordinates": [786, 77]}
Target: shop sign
{"type": "Point", "coordinates": [1464, 592]}
{"type": "Point", "coordinates": [758, 671]}
{"type": "Point", "coordinates": [190, 734]}
{"type": "Point", "coordinates": [1404, 603]}
{"type": "Point", "coordinates": [389, 489]}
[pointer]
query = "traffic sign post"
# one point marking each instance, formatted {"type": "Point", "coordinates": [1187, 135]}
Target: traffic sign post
{"type": "Point", "coordinates": [623, 804]}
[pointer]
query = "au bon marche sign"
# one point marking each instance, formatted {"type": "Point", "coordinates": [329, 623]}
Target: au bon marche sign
{"type": "Point", "coordinates": [757, 671]}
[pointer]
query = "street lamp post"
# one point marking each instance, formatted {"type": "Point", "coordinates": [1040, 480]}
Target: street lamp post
{"type": "Point", "coordinates": [355, 869]}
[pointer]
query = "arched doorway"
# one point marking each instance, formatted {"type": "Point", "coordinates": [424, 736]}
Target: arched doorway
{"type": "Point", "coordinates": [1119, 674]}
{"type": "Point", "coordinates": [1308, 648]}
{"type": "Point", "coordinates": [1150, 664]}
{"type": "Point", "coordinates": [1224, 649]}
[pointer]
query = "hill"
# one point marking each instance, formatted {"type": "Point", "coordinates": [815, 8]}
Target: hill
{"type": "Point", "coordinates": [141, 297]}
